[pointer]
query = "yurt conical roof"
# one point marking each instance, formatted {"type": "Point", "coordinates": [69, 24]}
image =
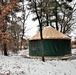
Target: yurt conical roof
{"type": "Point", "coordinates": [50, 33]}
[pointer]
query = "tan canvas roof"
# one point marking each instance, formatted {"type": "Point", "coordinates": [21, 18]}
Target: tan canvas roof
{"type": "Point", "coordinates": [50, 33]}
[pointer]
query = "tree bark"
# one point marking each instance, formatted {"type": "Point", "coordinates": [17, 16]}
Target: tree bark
{"type": "Point", "coordinates": [40, 25]}
{"type": "Point", "coordinates": [5, 49]}
{"type": "Point", "coordinates": [42, 47]}
{"type": "Point", "coordinates": [47, 19]}
{"type": "Point", "coordinates": [56, 15]}
{"type": "Point", "coordinates": [4, 30]}
{"type": "Point", "coordinates": [23, 26]}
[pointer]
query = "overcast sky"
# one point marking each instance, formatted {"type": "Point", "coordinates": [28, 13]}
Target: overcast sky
{"type": "Point", "coordinates": [31, 28]}
{"type": "Point", "coordinates": [32, 25]}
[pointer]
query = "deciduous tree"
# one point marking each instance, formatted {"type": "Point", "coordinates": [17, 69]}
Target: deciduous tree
{"type": "Point", "coordinates": [5, 7]}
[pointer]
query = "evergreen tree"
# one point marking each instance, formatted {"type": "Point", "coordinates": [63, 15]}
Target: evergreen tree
{"type": "Point", "coordinates": [53, 11]}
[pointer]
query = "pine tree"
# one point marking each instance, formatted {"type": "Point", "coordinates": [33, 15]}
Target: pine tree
{"type": "Point", "coordinates": [53, 11]}
{"type": "Point", "coordinates": [36, 7]}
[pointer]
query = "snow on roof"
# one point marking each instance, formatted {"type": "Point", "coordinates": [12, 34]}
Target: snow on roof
{"type": "Point", "coordinates": [50, 33]}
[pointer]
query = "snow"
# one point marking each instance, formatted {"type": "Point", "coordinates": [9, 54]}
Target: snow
{"type": "Point", "coordinates": [20, 64]}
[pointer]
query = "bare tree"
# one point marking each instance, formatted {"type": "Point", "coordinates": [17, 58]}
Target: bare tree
{"type": "Point", "coordinates": [5, 7]}
{"type": "Point", "coordinates": [24, 17]}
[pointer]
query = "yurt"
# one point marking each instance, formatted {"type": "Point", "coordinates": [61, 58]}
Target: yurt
{"type": "Point", "coordinates": [55, 43]}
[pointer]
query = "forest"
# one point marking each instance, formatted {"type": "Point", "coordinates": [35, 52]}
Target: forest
{"type": "Point", "coordinates": [57, 14]}
{"type": "Point", "coordinates": [16, 47]}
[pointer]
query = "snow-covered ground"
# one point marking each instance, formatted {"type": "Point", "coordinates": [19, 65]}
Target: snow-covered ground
{"type": "Point", "coordinates": [20, 65]}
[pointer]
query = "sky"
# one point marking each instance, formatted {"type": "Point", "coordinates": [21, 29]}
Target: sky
{"type": "Point", "coordinates": [31, 26]}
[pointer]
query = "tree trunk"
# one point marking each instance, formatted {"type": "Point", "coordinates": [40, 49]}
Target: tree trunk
{"type": "Point", "coordinates": [40, 25]}
{"type": "Point", "coordinates": [21, 43]}
{"type": "Point", "coordinates": [23, 25]}
{"type": "Point", "coordinates": [42, 47]}
{"type": "Point", "coordinates": [47, 19]}
{"type": "Point", "coordinates": [5, 49]}
{"type": "Point", "coordinates": [56, 15]}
